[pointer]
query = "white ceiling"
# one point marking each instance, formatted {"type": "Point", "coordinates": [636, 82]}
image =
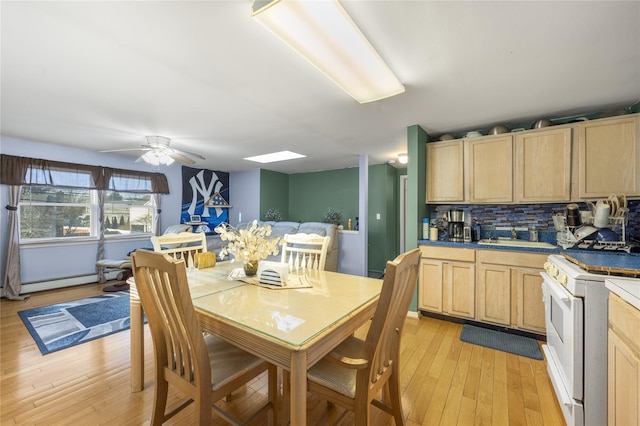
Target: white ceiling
{"type": "Point", "coordinates": [102, 75]}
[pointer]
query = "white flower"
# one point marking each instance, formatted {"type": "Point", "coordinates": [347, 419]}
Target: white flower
{"type": "Point", "coordinates": [251, 243]}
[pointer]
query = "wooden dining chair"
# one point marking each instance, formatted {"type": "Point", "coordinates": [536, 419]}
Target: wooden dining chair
{"type": "Point", "coordinates": [354, 374]}
{"type": "Point", "coordinates": [304, 251]}
{"type": "Point", "coordinates": [203, 367]}
{"type": "Point", "coordinates": [183, 245]}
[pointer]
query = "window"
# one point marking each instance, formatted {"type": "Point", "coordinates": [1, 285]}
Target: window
{"type": "Point", "coordinates": [58, 212]}
{"type": "Point", "coordinates": [127, 213]}
{"type": "Point", "coordinates": [53, 212]}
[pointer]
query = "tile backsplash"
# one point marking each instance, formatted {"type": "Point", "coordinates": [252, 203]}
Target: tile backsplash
{"type": "Point", "coordinates": [490, 216]}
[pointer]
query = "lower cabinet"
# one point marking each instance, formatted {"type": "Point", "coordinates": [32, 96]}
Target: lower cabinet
{"type": "Point", "coordinates": [624, 363]}
{"type": "Point", "coordinates": [447, 281]}
{"type": "Point", "coordinates": [494, 286]}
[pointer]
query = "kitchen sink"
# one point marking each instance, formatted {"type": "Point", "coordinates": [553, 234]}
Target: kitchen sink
{"type": "Point", "coordinates": [516, 243]}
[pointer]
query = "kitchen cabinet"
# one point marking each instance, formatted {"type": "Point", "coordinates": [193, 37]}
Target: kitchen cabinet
{"type": "Point", "coordinates": [543, 166]}
{"type": "Point", "coordinates": [609, 157]}
{"type": "Point", "coordinates": [489, 163]}
{"type": "Point", "coordinates": [623, 363]}
{"type": "Point", "coordinates": [509, 289]}
{"type": "Point", "coordinates": [445, 171]}
{"type": "Point", "coordinates": [494, 294]}
{"type": "Point", "coordinates": [447, 281]}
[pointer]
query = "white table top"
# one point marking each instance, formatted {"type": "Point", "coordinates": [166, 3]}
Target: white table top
{"type": "Point", "coordinates": [291, 316]}
{"type": "Point", "coordinates": [627, 288]}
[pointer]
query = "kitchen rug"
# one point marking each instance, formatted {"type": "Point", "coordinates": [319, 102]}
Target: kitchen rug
{"type": "Point", "coordinates": [63, 325]}
{"type": "Point", "coordinates": [506, 342]}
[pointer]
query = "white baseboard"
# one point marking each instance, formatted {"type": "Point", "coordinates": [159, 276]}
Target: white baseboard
{"type": "Point", "coordinates": [412, 314]}
{"type": "Point", "coordinates": [66, 282]}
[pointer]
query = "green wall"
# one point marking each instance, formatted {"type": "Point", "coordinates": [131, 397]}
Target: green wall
{"type": "Point", "coordinates": [383, 200]}
{"type": "Point", "coordinates": [311, 194]}
{"type": "Point", "coordinates": [274, 193]}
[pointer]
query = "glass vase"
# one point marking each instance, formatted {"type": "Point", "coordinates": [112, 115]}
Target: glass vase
{"type": "Point", "coordinates": [250, 267]}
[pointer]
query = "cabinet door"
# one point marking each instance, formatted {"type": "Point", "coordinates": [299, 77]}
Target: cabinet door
{"type": "Point", "coordinates": [459, 287]}
{"type": "Point", "coordinates": [490, 169]}
{"type": "Point", "coordinates": [529, 313]}
{"type": "Point", "coordinates": [494, 294]}
{"type": "Point", "coordinates": [445, 171]}
{"type": "Point", "coordinates": [430, 285]}
{"type": "Point", "coordinates": [609, 157]}
{"type": "Point", "coordinates": [624, 379]}
{"type": "Point", "coordinates": [543, 166]}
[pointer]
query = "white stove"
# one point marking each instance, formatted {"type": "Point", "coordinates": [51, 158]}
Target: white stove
{"type": "Point", "coordinates": [576, 350]}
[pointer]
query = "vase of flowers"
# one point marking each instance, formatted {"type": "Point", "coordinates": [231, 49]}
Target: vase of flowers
{"type": "Point", "coordinates": [249, 245]}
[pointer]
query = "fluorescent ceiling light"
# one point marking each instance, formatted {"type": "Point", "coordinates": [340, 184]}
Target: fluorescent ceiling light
{"type": "Point", "coordinates": [324, 34]}
{"type": "Point", "coordinates": [275, 156]}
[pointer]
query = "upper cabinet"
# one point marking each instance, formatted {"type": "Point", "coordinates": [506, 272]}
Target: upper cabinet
{"type": "Point", "coordinates": [543, 166]}
{"type": "Point", "coordinates": [490, 169]}
{"type": "Point", "coordinates": [575, 161]}
{"type": "Point", "coordinates": [609, 157]}
{"type": "Point", "coordinates": [445, 172]}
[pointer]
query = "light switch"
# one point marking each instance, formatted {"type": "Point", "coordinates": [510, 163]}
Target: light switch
{"type": "Point", "coordinates": [377, 216]}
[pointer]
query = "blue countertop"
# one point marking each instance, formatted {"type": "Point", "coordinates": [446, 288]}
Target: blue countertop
{"type": "Point", "coordinates": [590, 260]}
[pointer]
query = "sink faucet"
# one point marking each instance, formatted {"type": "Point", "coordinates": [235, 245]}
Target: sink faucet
{"type": "Point", "coordinates": [514, 235]}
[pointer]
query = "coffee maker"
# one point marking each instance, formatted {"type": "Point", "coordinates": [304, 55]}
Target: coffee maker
{"type": "Point", "coordinates": [456, 225]}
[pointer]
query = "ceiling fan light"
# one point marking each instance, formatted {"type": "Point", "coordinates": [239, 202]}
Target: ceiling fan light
{"type": "Point", "coordinates": [325, 35]}
{"type": "Point", "coordinates": [151, 158]}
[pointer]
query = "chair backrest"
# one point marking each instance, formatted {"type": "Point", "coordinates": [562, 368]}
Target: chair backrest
{"type": "Point", "coordinates": [179, 345]}
{"type": "Point", "coordinates": [304, 251]}
{"type": "Point", "coordinates": [382, 344]}
{"type": "Point", "coordinates": [180, 246]}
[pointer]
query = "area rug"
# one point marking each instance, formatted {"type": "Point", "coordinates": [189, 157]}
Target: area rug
{"type": "Point", "coordinates": [60, 326]}
{"type": "Point", "coordinates": [506, 342]}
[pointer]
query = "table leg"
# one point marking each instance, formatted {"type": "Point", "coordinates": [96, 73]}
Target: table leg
{"type": "Point", "coordinates": [298, 389]}
{"type": "Point", "coordinates": [137, 345]}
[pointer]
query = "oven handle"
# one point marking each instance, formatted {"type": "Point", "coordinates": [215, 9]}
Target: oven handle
{"type": "Point", "coordinates": [558, 290]}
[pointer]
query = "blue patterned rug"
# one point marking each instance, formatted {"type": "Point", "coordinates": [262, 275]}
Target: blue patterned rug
{"type": "Point", "coordinates": [63, 325]}
{"type": "Point", "coordinates": [506, 342]}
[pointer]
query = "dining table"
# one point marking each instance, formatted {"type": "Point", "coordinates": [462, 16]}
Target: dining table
{"type": "Point", "coordinates": [292, 326]}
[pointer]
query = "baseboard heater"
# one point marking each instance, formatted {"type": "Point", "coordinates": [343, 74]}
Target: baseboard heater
{"type": "Point", "coordinates": [66, 282]}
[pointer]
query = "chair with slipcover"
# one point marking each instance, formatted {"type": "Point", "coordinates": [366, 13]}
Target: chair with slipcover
{"type": "Point", "coordinates": [357, 372]}
{"type": "Point", "coordinates": [204, 367]}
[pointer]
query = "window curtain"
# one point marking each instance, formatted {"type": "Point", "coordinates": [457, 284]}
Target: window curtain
{"type": "Point", "coordinates": [17, 171]}
{"type": "Point", "coordinates": [12, 283]}
{"type": "Point", "coordinates": [102, 194]}
{"type": "Point", "coordinates": [157, 226]}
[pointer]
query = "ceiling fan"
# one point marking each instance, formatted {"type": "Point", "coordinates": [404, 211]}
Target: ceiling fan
{"type": "Point", "coordinates": [158, 152]}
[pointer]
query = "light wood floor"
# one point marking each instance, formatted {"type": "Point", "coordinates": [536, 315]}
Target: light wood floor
{"type": "Point", "coordinates": [444, 381]}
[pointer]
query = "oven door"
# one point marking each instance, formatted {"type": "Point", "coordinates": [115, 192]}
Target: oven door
{"type": "Point", "coordinates": [564, 321]}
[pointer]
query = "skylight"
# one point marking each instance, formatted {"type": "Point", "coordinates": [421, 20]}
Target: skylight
{"type": "Point", "coordinates": [275, 156]}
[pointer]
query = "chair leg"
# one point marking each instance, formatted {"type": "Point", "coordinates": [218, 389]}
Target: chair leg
{"type": "Point", "coordinates": [395, 399]}
{"type": "Point", "coordinates": [159, 401]}
{"type": "Point", "coordinates": [285, 404]}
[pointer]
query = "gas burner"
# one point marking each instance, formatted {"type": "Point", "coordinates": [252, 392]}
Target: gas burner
{"type": "Point", "coordinates": [605, 246]}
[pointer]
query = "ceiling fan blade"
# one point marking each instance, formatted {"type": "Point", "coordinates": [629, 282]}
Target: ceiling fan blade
{"type": "Point", "coordinates": [181, 158]}
{"type": "Point", "coordinates": [127, 149]}
{"type": "Point", "coordinates": [192, 154]}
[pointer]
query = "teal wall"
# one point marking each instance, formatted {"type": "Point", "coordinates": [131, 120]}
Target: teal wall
{"type": "Point", "coordinates": [311, 195]}
{"type": "Point", "coordinates": [274, 193]}
{"type": "Point", "coordinates": [417, 140]}
{"type": "Point", "coordinates": [383, 200]}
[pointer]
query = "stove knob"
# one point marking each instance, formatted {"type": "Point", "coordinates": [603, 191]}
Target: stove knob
{"type": "Point", "coordinates": [562, 279]}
